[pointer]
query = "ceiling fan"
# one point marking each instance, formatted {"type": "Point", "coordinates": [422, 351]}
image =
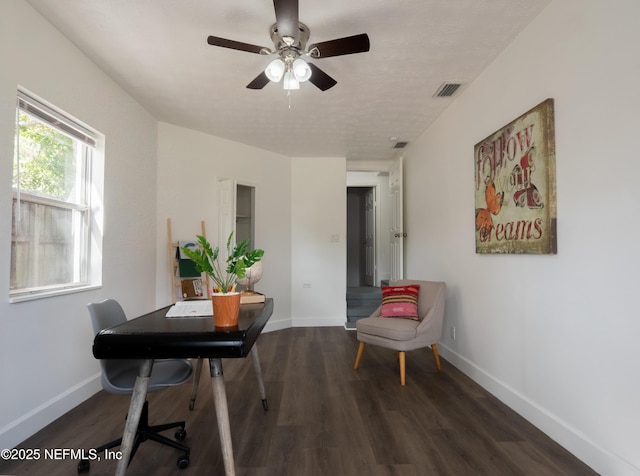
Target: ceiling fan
{"type": "Point", "coordinates": [290, 38]}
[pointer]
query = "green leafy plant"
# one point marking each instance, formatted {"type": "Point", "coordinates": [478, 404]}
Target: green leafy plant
{"type": "Point", "coordinates": [238, 260]}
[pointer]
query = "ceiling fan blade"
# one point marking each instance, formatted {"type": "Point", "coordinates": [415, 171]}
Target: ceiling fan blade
{"type": "Point", "coordinates": [321, 79]}
{"type": "Point", "coordinates": [287, 18]}
{"type": "Point", "coordinates": [259, 82]}
{"type": "Point", "coordinates": [237, 45]}
{"type": "Point", "coordinates": [341, 46]}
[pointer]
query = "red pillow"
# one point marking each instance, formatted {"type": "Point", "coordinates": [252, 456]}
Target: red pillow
{"type": "Point", "coordinates": [400, 301]}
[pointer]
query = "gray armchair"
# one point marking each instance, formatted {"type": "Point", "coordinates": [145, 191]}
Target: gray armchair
{"type": "Point", "coordinates": [403, 335]}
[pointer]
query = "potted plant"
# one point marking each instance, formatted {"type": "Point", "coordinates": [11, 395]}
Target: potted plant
{"type": "Point", "coordinates": [224, 297]}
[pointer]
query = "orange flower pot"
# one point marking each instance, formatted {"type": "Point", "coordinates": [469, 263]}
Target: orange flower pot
{"type": "Point", "coordinates": [226, 309]}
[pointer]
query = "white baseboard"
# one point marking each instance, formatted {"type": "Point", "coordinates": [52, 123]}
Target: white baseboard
{"type": "Point", "coordinates": [277, 325]}
{"type": "Point", "coordinates": [318, 321]}
{"type": "Point", "coordinates": [27, 425]}
{"type": "Point", "coordinates": [304, 322]}
{"type": "Point", "coordinates": [599, 459]}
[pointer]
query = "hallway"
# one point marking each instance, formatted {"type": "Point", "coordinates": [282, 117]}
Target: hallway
{"type": "Point", "coordinates": [361, 302]}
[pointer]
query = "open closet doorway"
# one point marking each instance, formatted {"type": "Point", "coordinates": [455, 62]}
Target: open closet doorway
{"type": "Point", "coordinates": [245, 214]}
{"type": "Point", "coordinates": [236, 213]}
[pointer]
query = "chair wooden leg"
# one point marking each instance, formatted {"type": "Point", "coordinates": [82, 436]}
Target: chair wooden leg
{"type": "Point", "coordinates": [434, 349]}
{"type": "Point", "coordinates": [359, 356]}
{"type": "Point", "coordinates": [401, 357]}
{"type": "Point", "coordinates": [196, 381]}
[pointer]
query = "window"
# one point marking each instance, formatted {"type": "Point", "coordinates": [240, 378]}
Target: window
{"type": "Point", "coordinates": [52, 215]}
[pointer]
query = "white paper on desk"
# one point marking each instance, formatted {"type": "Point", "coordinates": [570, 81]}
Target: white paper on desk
{"type": "Point", "coordinates": [191, 309]}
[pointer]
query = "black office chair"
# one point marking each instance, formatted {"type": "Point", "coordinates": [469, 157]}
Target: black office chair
{"type": "Point", "coordinates": [119, 376]}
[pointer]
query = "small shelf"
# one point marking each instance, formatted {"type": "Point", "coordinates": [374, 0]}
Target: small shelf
{"type": "Point", "coordinates": [245, 212]}
{"type": "Point", "coordinates": [185, 281]}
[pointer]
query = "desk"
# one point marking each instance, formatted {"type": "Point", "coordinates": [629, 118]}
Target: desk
{"type": "Point", "coordinates": [153, 336]}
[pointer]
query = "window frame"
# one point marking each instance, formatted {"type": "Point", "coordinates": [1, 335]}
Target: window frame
{"type": "Point", "coordinates": [87, 263]}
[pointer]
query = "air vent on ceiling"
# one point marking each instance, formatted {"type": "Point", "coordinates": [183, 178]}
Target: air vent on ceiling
{"type": "Point", "coordinates": [447, 90]}
{"type": "Point", "coordinates": [400, 145]}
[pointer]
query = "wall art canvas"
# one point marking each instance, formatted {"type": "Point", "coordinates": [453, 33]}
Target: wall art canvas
{"type": "Point", "coordinates": [515, 186]}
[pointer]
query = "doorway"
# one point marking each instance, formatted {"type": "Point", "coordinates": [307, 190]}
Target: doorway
{"type": "Point", "coordinates": [362, 295]}
{"type": "Point", "coordinates": [361, 255]}
{"type": "Point", "coordinates": [245, 214]}
{"type": "Point", "coordinates": [236, 213]}
{"type": "Point", "coordinates": [381, 187]}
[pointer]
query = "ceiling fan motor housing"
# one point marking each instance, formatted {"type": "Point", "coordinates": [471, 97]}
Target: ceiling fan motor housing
{"type": "Point", "coordinates": [288, 46]}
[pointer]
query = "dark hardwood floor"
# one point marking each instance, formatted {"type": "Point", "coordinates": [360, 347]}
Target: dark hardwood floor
{"type": "Point", "coordinates": [324, 418]}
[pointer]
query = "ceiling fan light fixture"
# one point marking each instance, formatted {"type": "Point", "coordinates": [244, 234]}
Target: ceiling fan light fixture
{"type": "Point", "coordinates": [290, 81]}
{"type": "Point", "coordinates": [301, 70]}
{"type": "Point", "coordinates": [290, 36]}
{"type": "Point", "coordinates": [275, 70]}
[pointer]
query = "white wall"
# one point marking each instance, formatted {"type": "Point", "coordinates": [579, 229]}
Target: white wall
{"type": "Point", "coordinates": [189, 165]}
{"type": "Point", "coordinates": [45, 345]}
{"type": "Point", "coordinates": [318, 241]}
{"type": "Point", "coordinates": [553, 336]}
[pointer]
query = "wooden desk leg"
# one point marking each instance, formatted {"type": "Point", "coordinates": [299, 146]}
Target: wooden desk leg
{"type": "Point", "coordinates": [196, 381]}
{"type": "Point", "coordinates": [222, 414]}
{"type": "Point", "coordinates": [138, 398]}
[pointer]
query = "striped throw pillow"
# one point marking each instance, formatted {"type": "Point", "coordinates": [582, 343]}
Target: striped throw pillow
{"type": "Point", "coordinates": [400, 301]}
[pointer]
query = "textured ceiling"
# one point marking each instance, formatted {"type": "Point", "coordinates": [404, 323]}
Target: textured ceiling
{"type": "Point", "coordinates": [157, 51]}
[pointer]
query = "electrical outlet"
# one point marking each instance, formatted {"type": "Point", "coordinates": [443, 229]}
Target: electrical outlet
{"type": "Point", "coordinates": [453, 332]}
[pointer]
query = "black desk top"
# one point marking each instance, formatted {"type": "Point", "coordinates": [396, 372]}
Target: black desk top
{"type": "Point", "coordinates": [153, 336]}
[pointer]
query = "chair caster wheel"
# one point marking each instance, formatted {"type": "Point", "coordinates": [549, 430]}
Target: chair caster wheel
{"type": "Point", "coordinates": [182, 462]}
{"type": "Point", "coordinates": [181, 434]}
{"type": "Point", "coordinates": [83, 466]}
